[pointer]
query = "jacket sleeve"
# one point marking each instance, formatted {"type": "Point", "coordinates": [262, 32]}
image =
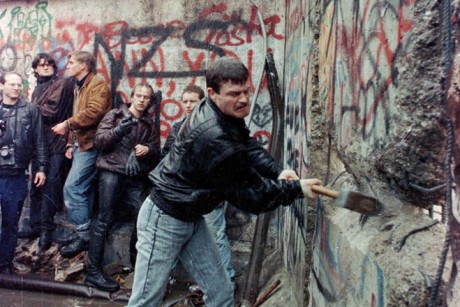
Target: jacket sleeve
{"type": "Point", "coordinates": [105, 138]}
{"type": "Point", "coordinates": [246, 188]}
{"type": "Point", "coordinates": [262, 161]}
{"type": "Point", "coordinates": [170, 139]}
{"type": "Point", "coordinates": [98, 101]}
{"type": "Point", "coordinates": [39, 140]}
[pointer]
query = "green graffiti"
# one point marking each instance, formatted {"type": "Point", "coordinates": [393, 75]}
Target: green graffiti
{"type": "Point", "coordinates": [1, 16]}
{"type": "Point", "coordinates": [29, 27]}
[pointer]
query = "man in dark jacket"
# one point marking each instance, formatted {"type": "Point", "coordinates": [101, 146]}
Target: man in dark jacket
{"type": "Point", "coordinates": [21, 137]}
{"type": "Point", "coordinates": [213, 159]}
{"type": "Point", "coordinates": [92, 100]}
{"type": "Point", "coordinates": [54, 96]}
{"type": "Point", "coordinates": [215, 220]}
{"type": "Point", "coordinates": [129, 148]}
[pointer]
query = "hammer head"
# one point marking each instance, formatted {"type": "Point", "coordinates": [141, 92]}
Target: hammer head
{"type": "Point", "coordinates": [359, 202]}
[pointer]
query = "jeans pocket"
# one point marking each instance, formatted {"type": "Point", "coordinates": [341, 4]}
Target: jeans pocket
{"type": "Point", "coordinates": [145, 213]}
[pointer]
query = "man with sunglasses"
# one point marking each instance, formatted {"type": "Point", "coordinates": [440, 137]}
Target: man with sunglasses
{"type": "Point", "coordinates": [54, 97]}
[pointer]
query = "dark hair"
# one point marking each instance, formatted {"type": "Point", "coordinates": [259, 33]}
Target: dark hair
{"type": "Point", "coordinates": [2, 78]}
{"type": "Point", "coordinates": [226, 69]}
{"type": "Point", "coordinates": [85, 57]}
{"type": "Point", "coordinates": [192, 88]}
{"type": "Point", "coordinates": [47, 59]}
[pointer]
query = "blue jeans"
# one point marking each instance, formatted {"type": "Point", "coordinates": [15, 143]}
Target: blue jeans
{"type": "Point", "coordinates": [215, 221]}
{"type": "Point", "coordinates": [162, 240]}
{"type": "Point", "coordinates": [13, 192]}
{"type": "Point", "coordinates": [79, 190]}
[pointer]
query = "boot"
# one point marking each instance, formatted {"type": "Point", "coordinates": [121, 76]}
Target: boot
{"type": "Point", "coordinates": [46, 238]}
{"type": "Point", "coordinates": [64, 236]}
{"type": "Point", "coordinates": [98, 280]}
{"type": "Point", "coordinates": [74, 248]}
{"type": "Point", "coordinates": [29, 234]}
{"type": "Point", "coordinates": [95, 278]}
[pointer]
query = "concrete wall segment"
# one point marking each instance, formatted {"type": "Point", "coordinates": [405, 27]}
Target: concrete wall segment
{"type": "Point", "coordinates": [365, 49]}
{"type": "Point", "coordinates": [300, 93]}
{"type": "Point", "coordinates": [374, 89]}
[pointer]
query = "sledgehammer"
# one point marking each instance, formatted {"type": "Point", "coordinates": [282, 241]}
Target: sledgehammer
{"type": "Point", "coordinates": [351, 200]}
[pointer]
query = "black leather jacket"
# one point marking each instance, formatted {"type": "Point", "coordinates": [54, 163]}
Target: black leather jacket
{"type": "Point", "coordinates": [171, 138]}
{"type": "Point", "coordinates": [24, 128]}
{"type": "Point", "coordinates": [215, 159]}
{"type": "Point", "coordinates": [115, 150]}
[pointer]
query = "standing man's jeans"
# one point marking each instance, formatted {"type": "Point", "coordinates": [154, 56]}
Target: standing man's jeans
{"type": "Point", "coordinates": [215, 220]}
{"type": "Point", "coordinates": [45, 201]}
{"type": "Point", "coordinates": [79, 190]}
{"type": "Point", "coordinates": [13, 192]}
{"type": "Point", "coordinates": [161, 240]}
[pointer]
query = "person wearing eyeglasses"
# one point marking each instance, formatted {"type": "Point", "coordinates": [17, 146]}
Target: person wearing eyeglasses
{"type": "Point", "coordinates": [21, 138]}
{"type": "Point", "coordinates": [54, 97]}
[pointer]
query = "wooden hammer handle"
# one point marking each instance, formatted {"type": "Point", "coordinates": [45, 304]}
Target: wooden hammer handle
{"type": "Point", "coordinates": [324, 191]}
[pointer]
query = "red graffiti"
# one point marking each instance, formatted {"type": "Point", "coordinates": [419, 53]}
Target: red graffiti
{"type": "Point", "coordinates": [85, 34]}
{"type": "Point", "coordinates": [234, 35]}
{"type": "Point", "coordinates": [171, 104]}
{"type": "Point", "coordinates": [215, 8]}
{"type": "Point", "coordinates": [271, 21]}
{"type": "Point", "coordinates": [365, 82]}
{"type": "Point", "coordinates": [196, 65]}
{"type": "Point", "coordinates": [165, 127]}
{"type": "Point", "coordinates": [263, 137]}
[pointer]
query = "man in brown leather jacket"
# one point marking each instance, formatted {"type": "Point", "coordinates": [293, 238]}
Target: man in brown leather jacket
{"type": "Point", "coordinates": [92, 100]}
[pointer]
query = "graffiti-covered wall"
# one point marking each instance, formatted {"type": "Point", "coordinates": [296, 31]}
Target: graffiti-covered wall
{"type": "Point", "coordinates": [295, 222]}
{"type": "Point", "coordinates": [166, 43]}
{"type": "Point", "coordinates": [363, 112]}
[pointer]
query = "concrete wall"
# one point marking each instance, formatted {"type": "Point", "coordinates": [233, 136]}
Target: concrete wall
{"type": "Point", "coordinates": [363, 84]}
{"type": "Point", "coordinates": [297, 221]}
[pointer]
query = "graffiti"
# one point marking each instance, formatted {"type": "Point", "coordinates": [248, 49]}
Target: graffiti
{"type": "Point", "coordinates": [297, 139]}
{"type": "Point", "coordinates": [367, 48]}
{"type": "Point", "coordinates": [171, 54]}
{"type": "Point", "coordinates": [296, 14]}
{"type": "Point", "coordinates": [8, 58]}
{"type": "Point", "coordinates": [26, 28]}
{"type": "Point", "coordinates": [2, 14]}
{"type": "Point", "coordinates": [333, 275]}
